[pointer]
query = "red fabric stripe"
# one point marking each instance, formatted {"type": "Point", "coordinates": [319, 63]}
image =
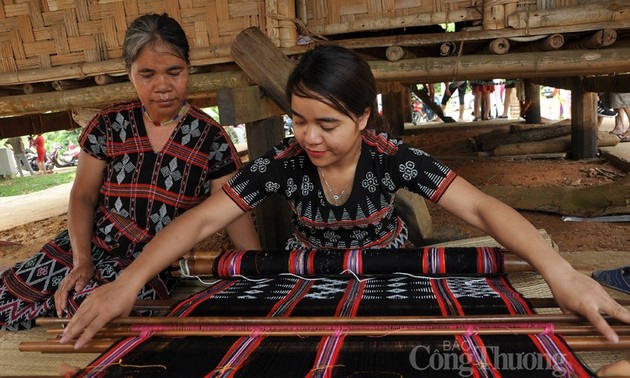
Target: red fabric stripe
{"type": "Point", "coordinates": [236, 198]}
{"type": "Point", "coordinates": [310, 263]}
{"type": "Point", "coordinates": [442, 262]}
{"type": "Point", "coordinates": [439, 191]}
{"type": "Point", "coordinates": [508, 303]}
{"type": "Point", "coordinates": [567, 353]}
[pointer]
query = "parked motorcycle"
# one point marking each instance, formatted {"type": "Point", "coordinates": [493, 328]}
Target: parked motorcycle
{"type": "Point", "coordinates": [70, 158]}
{"type": "Point", "coordinates": [31, 157]}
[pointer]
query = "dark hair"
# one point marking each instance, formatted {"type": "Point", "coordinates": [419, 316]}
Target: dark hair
{"type": "Point", "coordinates": [151, 29]}
{"type": "Point", "coordinates": [340, 78]}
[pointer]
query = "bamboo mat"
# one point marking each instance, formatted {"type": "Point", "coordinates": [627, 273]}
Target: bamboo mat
{"type": "Point", "coordinates": [16, 363]}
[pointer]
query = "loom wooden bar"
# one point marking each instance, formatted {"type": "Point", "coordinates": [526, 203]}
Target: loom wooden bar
{"type": "Point", "coordinates": [577, 343]}
{"type": "Point", "coordinates": [228, 329]}
{"type": "Point", "coordinates": [371, 320]}
{"type": "Point", "coordinates": [54, 346]}
{"type": "Point", "coordinates": [165, 304]}
{"type": "Point", "coordinates": [596, 343]}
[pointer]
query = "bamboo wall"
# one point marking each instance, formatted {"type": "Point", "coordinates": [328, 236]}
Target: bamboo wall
{"type": "Point", "coordinates": [47, 40]}
{"type": "Point", "coordinates": [327, 17]}
{"type": "Point", "coordinates": [42, 34]}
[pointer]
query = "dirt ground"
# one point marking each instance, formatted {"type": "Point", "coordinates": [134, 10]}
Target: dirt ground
{"type": "Point", "coordinates": [452, 147]}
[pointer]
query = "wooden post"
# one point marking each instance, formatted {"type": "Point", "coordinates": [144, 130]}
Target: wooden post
{"type": "Point", "coordinates": [392, 106]}
{"type": "Point", "coordinates": [407, 109]}
{"type": "Point", "coordinates": [273, 215]}
{"type": "Point", "coordinates": [244, 105]}
{"type": "Point", "coordinates": [532, 92]}
{"type": "Point", "coordinates": [583, 123]}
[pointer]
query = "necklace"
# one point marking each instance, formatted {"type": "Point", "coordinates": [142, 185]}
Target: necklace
{"type": "Point", "coordinates": [179, 114]}
{"type": "Point", "coordinates": [336, 197]}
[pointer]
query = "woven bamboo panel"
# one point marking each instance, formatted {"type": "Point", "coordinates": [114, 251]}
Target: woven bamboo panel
{"type": "Point", "coordinates": [322, 12]}
{"type": "Point", "coordinates": [40, 34]}
{"type": "Point", "coordinates": [345, 16]}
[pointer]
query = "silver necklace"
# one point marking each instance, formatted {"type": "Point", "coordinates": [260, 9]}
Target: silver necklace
{"type": "Point", "coordinates": [336, 197]}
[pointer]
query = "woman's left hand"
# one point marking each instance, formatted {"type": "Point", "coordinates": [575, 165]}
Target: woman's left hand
{"type": "Point", "coordinates": [105, 303]}
{"type": "Point", "coordinates": [580, 294]}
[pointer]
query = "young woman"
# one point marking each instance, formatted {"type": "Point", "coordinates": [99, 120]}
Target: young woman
{"type": "Point", "coordinates": [143, 163]}
{"type": "Point", "coordinates": [340, 178]}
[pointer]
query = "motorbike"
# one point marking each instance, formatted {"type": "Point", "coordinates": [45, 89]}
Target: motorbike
{"type": "Point", "coordinates": [31, 157]}
{"type": "Point", "coordinates": [69, 158]}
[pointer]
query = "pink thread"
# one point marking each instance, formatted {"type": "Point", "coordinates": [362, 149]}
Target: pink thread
{"type": "Point", "coordinates": [470, 331]}
{"type": "Point", "coordinates": [549, 329]}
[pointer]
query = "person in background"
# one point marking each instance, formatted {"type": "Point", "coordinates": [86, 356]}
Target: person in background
{"type": "Point", "coordinates": [19, 153]}
{"type": "Point", "coordinates": [482, 90]}
{"type": "Point", "coordinates": [39, 144]}
{"type": "Point", "coordinates": [460, 87]}
{"type": "Point", "coordinates": [510, 84]}
{"type": "Point", "coordinates": [341, 175]}
{"type": "Point", "coordinates": [143, 163]}
{"type": "Point", "coordinates": [620, 102]}
{"type": "Point", "coordinates": [603, 111]}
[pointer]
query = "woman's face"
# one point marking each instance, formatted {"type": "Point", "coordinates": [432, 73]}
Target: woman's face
{"type": "Point", "coordinates": [328, 136]}
{"type": "Point", "coordinates": [160, 78]}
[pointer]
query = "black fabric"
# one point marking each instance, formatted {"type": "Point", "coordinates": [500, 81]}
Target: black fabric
{"type": "Point", "coordinates": [452, 260]}
{"type": "Point", "coordinates": [383, 355]}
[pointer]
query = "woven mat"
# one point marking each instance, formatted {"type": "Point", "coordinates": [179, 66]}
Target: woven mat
{"type": "Point", "coordinates": [16, 363]}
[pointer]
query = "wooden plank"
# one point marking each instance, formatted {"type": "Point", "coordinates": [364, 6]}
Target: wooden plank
{"type": "Point", "coordinates": [244, 105]}
{"type": "Point", "coordinates": [249, 49]}
{"type": "Point", "coordinates": [584, 122]}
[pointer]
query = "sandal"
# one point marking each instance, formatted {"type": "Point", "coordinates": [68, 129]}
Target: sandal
{"type": "Point", "coordinates": [618, 279]}
{"type": "Point", "coordinates": [622, 137]}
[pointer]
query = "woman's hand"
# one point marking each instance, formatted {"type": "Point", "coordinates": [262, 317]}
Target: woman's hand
{"type": "Point", "coordinates": [105, 303]}
{"type": "Point", "coordinates": [580, 294]}
{"type": "Point", "coordinates": [77, 279]}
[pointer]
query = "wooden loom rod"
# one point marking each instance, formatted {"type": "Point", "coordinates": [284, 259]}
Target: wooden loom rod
{"type": "Point", "coordinates": [579, 343]}
{"type": "Point", "coordinates": [347, 330]}
{"type": "Point", "coordinates": [165, 304]}
{"type": "Point", "coordinates": [319, 320]}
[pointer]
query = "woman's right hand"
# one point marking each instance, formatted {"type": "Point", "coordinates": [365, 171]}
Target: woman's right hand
{"type": "Point", "coordinates": [77, 279]}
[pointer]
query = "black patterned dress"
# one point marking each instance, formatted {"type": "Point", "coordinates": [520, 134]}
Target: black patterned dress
{"type": "Point", "coordinates": [368, 218]}
{"type": "Point", "coordinates": [142, 192]}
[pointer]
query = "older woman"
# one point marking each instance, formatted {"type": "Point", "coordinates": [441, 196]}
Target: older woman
{"type": "Point", "coordinates": [142, 164]}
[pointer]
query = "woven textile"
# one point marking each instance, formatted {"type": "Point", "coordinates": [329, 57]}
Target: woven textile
{"type": "Point", "coordinates": [339, 355]}
{"type": "Point", "coordinates": [468, 260]}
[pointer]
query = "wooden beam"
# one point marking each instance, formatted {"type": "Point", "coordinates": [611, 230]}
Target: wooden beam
{"type": "Point", "coordinates": [35, 124]}
{"type": "Point", "coordinates": [98, 96]}
{"type": "Point", "coordinates": [267, 65]}
{"type": "Point", "coordinates": [516, 65]}
{"type": "Point", "coordinates": [245, 104]}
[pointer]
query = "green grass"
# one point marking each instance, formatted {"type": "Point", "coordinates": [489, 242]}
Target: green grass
{"type": "Point", "coordinates": [29, 184]}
